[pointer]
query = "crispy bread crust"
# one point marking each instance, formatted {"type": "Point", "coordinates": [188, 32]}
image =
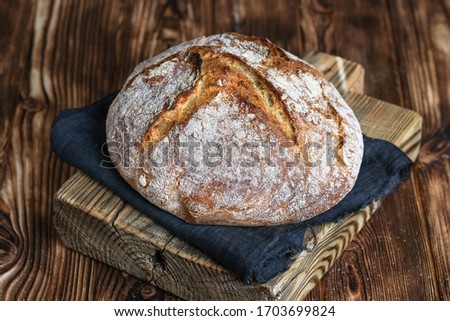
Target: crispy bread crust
{"type": "Point", "coordinates": [230, 93]}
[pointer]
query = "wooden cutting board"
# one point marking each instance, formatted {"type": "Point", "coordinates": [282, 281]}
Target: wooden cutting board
{"type": "Point", "coordinates": [94, 221]}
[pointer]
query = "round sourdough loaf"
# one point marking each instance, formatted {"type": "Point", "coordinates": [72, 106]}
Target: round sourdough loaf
{"type": "Point", "coordinates": [233, 130]}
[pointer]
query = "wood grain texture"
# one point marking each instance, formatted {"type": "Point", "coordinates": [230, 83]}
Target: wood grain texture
{"type": "Point", "coordinates": [57, 54]}
{"type": "Point", "coordinates": [406, 228]}
{"type": "Point", "coordinates": [49, 72]}
{"type": "Point", "coordinates": [94, 221]}
{"type": "Point", "coordinates": [428, 56]}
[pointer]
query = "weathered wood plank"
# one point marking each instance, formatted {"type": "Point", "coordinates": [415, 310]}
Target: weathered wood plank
{"type": "Point", "coordinates": [15, 27]}
{"type": "Point", "coordinates": [56, 54]}
{"type": "Point", "coordinates": [375, 42]}
{"type": "Point", "coordinates": [94, 221]}
{"type": "Point", "coordinates": [423, 36]}
{"type": "Point", "coordinates": [351, 80]}
{"type": "Point", "coordinates": [274, 20]}
{"type": "Point", "coordinates": [362, 32]}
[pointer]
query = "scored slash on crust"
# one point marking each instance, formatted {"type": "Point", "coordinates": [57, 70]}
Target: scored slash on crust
{"type": "Point", "coordinates": [221, 72]}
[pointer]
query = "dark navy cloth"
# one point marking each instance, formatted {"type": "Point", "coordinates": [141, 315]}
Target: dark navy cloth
{"type": "Point", "coordinates": [253, 253]}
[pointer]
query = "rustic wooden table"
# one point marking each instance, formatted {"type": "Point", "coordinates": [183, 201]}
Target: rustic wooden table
{"type": "Point", "coordinates": [58, 54]}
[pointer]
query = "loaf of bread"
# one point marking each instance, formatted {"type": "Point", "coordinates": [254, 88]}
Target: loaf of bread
{"type": "Point", "coordinates": [233, 130]}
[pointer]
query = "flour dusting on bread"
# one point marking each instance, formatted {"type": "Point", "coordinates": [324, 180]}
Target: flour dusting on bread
{"type": "Point", "coordinates": [233, 130]}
